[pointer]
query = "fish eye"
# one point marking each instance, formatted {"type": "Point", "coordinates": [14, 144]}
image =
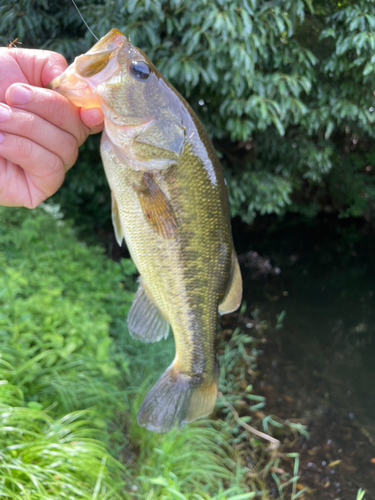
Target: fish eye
{"type": "Point", "coordinates": [140, 70]}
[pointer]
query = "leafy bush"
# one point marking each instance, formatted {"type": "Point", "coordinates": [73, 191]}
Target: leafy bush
{"type": "Point", "coordinates": [285, 88]}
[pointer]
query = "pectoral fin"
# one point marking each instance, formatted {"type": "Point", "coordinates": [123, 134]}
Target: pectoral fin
{"type": "Point", "coordinates": [156, 208]}
{"type": "Point", "coordinates": [116, 220]}
{"type": "Point", "coordinates": [145, 321]}
{"type": "Point", "coordinates": [233, 294]}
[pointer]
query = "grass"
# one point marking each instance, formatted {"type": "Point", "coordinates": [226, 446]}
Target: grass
{"type": "Point", "coordinates": [361, 494]}
{"type": "Point", "coordinates": [71, 382]}
{"type": "Point", "coordinates": [44, 457]}
{"type": "Point", "coordinates": [193, 463]}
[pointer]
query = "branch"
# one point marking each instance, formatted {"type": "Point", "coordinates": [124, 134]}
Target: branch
{"type": "Point", "coordinates": [275, 443]}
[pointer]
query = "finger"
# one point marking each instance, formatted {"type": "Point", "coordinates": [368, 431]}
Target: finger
{"type": "Point", "coordinates": [16, 190]}
{"type": "Point", "coordinates": [93, 118]}
{"type": "Point", "coordinates": [50, 106]}
{"type": "Point", "coordinates": [44, 169]}
{"type": "Point", "coordinates": [39, 66]}
{"type": "Point", "coordinates": [38, 130]}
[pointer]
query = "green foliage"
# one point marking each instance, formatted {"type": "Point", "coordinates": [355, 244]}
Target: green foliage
{"type": "Point", "coordinates": [57, 299]}
{"type": "Point", "coordinates": [361, 494]}
{"type": "Point", "coordinates": [206, 467]}
{"type": "Point", "coordinates": [71, 382]}
{"type": "Point", "coordinates": [289, 83]}
{"type": "Point", "coordinates": [57, 359]}
{"type": "Point", "coordinates": [42, 457]}
{"type": "Point", "coordinates": [238, 358]}
{"type": "Point", "coordinates": [69, 390]}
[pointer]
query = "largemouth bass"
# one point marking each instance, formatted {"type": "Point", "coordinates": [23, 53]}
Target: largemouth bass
{"type": "Point", "coordinates": [170, 203]}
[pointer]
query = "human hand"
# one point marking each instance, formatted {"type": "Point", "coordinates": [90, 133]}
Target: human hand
{"type": "Point", "coordinates": [40, 130]}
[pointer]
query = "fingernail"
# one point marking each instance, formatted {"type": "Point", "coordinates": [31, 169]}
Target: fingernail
{"type": "Point", "coordinates": [19, 95]}
{"type": "Point", "coordinates": [4, 112]}
{"type": "Point", "coordinates": [1, 137]}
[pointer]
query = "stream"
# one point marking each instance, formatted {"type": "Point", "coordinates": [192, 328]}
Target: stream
{"type": "Point", "coordinates": [319, 368]}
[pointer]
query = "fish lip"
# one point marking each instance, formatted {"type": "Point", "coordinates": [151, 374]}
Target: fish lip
{"type": "Point", "coordinates": [110, 37]}
{"type": "Point", "coordinates": [59, 82]}
{"type": "Point", "coordinates": [63, 85]}
{"type": "Point", "coordinates": [113, 41]}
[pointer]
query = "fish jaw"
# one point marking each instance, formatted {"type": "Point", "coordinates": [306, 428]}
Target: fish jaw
{"type": "Point", "coordinates": [80, 80]}
{"type": "Point", "coordinates": [75, 89]}
{"type": "Point", "coordinates": [143, 116]}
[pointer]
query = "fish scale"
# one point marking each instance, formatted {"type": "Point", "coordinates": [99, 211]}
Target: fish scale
{"type": "Point", "coordinates": [170, 203]}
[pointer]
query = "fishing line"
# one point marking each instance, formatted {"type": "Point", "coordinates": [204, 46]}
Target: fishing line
{"type": "Point", "coordinates": [87, 26]}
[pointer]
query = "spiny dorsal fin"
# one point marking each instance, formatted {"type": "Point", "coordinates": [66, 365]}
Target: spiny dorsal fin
{"type": "Point", "coordinates": [116, 220]}
{"type": "Point", "coordinates": [233, 294]}
{"type": "Point", "coordinates": [145, 321]}
{"type": "Point", "coordinates": [156, 208]}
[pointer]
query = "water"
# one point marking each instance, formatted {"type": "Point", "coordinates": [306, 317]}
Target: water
{"type": "Point", "coordinates": [321, 366]}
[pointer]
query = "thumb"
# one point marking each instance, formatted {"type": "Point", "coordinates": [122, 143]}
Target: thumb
{"type": "Point", "coordinates": [93, 118]}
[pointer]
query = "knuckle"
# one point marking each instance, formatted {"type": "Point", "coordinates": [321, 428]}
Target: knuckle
{"type": "Point", "coordinates": [56, 60]}
{"type": "Point", "coordinates": [59, 60]}
{"type": "Point", "coordinates": [24, 149]}
{"type": "Point", "coordinates": [70, 151]}
{"type": "Point", "coordinates": [56, 110]}
{"type": "Point", "coordinates": [56, 168]}
{"type": "Point", "coordinates": [30, 124]}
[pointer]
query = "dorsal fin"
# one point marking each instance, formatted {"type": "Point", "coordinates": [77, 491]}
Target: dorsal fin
{"type": "Point", "coordinates": [233, 294]}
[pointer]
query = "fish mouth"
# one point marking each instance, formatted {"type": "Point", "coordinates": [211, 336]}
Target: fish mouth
{"type": "Point", "coordinates": [80, 79]}
{"type": "Point", "coordinates": [63, 85]}
{"type": "Point", "coordinates": [78, 91]}
{"type": "Point", "coordinates": [114, 39]}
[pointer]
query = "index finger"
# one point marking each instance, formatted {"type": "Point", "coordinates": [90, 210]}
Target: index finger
{"type": "Point", "coordinates": [39, 67]}
{"type": "Point", "coordinates": [51, 106]}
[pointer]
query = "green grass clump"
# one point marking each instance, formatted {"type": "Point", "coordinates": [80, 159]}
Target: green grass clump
{"type": "Point", "coordinates": [57, 360]}
{"type": "Point", "coordinates": [57, 298]}
{"type": "Point", "coordinates": [71, 381]}
{"type": "Point", "coordinates": [42, 457]}
{"type": "Point", "coordinates": [194, 462]}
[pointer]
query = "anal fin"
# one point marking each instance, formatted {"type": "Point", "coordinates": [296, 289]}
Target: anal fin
{"type": "Point", "coordinates": [145, 321]}
{"type": "Point", "coordinates": [233, 295]}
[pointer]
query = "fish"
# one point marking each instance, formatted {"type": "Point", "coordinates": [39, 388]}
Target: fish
{"type": "Point", "coordinates": [170, 205]}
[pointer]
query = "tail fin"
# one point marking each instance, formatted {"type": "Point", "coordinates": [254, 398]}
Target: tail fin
{"type": "Point", "coordinates": [176, 399]}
